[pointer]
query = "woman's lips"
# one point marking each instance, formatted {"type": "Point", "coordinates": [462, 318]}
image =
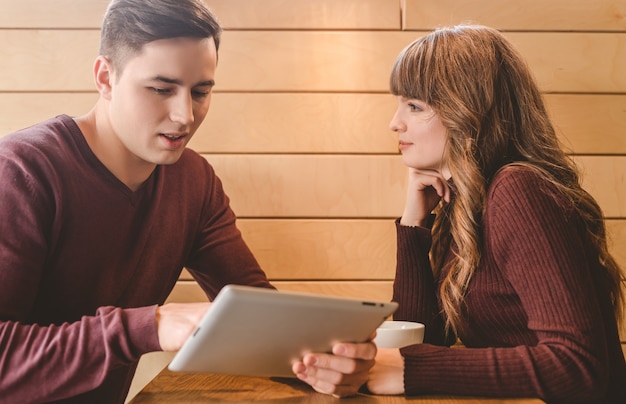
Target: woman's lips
{"type": "Point", "coordinates": [403, 145]}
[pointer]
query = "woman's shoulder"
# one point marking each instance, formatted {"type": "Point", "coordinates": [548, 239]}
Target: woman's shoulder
{"type": "Point", "coordinates": [524, 183]}
{"type": "Point", "coordinates": [520, 176]}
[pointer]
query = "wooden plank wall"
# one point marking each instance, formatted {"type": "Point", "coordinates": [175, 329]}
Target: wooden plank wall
{"type": "Point", "coordinates": [298, 129]}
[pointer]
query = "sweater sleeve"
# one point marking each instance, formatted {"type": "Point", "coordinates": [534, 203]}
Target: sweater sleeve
{"type": "Point", "coordinates": [414, 286]}
{"type": "Point", "coordinates": [534, 240]}
{"type": "Point", "coordinates": [53, 362]}
{"type": "Point", "coordinates": [220, 255]}
{"type": "Point", "coordinates": [62, 359]}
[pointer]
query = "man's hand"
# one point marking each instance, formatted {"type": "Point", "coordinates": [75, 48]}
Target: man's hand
{"type": "Point", "coordinates": [176, 322]}
{"type": "Point", "coordinates": [340, 374]}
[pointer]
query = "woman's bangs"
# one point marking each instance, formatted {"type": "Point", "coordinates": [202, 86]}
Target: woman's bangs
{"type": "Point", "coordinates": [407, 74]}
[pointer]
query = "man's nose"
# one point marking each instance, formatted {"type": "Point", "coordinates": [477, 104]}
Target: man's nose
{"type": "Point", "coordinates": [182, 109]}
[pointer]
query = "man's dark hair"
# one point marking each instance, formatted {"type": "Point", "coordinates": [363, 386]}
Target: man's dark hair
{"type": "Point", "coordinates": [130, 24]}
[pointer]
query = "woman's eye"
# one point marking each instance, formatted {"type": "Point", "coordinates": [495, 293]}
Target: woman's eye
{"type": "Point", "coordinates": [414, 107]}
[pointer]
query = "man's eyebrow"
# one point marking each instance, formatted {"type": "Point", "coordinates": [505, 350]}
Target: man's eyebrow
{"type": "Point", "coordinates": [209, 83]}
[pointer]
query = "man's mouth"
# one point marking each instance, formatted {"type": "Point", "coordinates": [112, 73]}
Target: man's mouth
{"type": "Point", "coordinates": [172, 137]}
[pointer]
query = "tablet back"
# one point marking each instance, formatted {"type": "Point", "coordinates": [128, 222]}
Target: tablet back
{"type": "Point", "coordinates": [260, 332]}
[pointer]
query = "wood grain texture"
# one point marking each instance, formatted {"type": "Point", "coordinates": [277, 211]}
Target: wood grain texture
{"type": "Point", "coordinates": [183, 387]}
{"type": "Point", "coordinates": [556, 15]}
{"type": "Point", "coordinates": [589, 123]}
{"type": "Point", "coordinates": [331, 61]}
{"type": "Point", "coordinates": [313, 186]}
{"type": "Point", "coordinates": [298, 123]}
{"type": "Point", "coordinates": [233, 14]}
{"type": "Point", "coordinates": [52, 14]}
{"type": "Point", "coordinates": [553, 15]}
{"type": "Point", "coordinates": [20, 110]}
{"type": "Point", "coordinates": [603, 177]}
{"type": "Point", "coordinates": [323, 249]}
{"type": "Point", "coordinates": [562, 62]}
{"type": "Point", "coordinates": [368, 186]}
{"type": "Point", "coordinates": [308, 14]}
{"type": "Point", "coordinates": [345, 249]}
{"type": "Point", "coordinates": [328, 122]}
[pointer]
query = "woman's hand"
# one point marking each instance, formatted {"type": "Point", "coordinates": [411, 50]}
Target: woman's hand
{"type": "Point", "coordinates": [341, 373]}
{"type": "Point", "coordinates": [387, 375]}
{"type": "Point", "coordinates": [424, 191]}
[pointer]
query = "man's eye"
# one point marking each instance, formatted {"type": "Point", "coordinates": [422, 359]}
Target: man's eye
{"type": "Point", "coordinates": [160, 91]}
{"type": "Point", "coordinates": [200, 94]}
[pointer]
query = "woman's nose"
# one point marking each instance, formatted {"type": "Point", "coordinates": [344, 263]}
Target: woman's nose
{"type": "Point", "coordinates": [395, 124]}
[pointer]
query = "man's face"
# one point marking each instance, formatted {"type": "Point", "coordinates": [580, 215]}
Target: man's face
{"type": "Point", "coordinates": [161, 97]}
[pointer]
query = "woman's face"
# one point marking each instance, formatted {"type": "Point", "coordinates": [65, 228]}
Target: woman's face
{"type": "Point", "coordinates": [421, 136]}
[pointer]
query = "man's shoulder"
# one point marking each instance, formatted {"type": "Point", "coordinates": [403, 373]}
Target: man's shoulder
{"type": "Point", "coordinates": [42, 150]}
{"type": "Point", "coordinates": [43, 133]}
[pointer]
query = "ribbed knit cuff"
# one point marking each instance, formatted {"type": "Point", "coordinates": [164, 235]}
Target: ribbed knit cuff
{"type": "Point", "coordinates": [142, 328]}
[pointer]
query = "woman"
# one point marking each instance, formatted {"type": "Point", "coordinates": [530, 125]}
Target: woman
{"type": "Point", "coordinates": [514, 262]}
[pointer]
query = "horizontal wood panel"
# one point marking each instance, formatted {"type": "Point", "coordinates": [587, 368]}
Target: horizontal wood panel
{"type": "Point", "coordinates": [327, 122]}
{"type": "Point", "coordinates": [345, 186]}
{"type": "Point", "coordinates": [334, 61]}
{"type": "Point", "coordinates": [233, 14]}
{"type": "Point", "coordinates": [298, 123]}
{"type": "Point", "coordinates": [575, 62]}
{"type": "Point", "coordinates": [307, 14]}
{"type": "Point", "coordinates": [189, 291]}
{"type": "Point", "coordinates": [359, 123]}
{"type": "Point", "coordinates": [20, 110]}
{"type": "Point", "coordinates": [331, 61]}
{"type": "Point", "coordinates": [345, 249]}
{"type": "Point", "coordinates": [553, 15]}
{"type": "Point", "coordinates": [52, 14]}
{"type": "Point", "coordinates": [33, 66]}
{"type": "Point", "coordinates": [249, 122]}
{"type": "Point", "coordinates": [323, 249]}
{"type": "Point", "coordinates": [589, 123]}
{"type": "Point", "coordinates": [604, 178]}
{"type": "Point", "coordinates": [352, 186]}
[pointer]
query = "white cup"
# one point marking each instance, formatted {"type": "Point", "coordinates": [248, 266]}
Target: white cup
{"type": "Point", "coordinates": [398, 334]}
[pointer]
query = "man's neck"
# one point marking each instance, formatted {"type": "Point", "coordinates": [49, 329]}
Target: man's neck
{"type": "Point", "coordinates": [111, 152]}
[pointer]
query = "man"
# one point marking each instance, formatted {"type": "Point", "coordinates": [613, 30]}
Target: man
{"type": "Point", "coordinates": [101, 212]}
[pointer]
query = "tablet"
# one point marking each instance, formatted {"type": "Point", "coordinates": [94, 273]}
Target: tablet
{"type": "Point", "coordinates": [261, 332]}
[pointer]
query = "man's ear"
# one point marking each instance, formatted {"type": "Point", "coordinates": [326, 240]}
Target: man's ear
{"type": "Point", "coordinates": [103, 74]}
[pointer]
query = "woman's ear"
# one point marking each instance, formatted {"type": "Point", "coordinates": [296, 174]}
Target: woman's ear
{"type": "Point", "coordinates": [103, 74]}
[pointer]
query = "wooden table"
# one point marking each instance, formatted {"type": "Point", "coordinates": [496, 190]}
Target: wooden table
{"type": "Point", "coordinates": [174, 387]}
